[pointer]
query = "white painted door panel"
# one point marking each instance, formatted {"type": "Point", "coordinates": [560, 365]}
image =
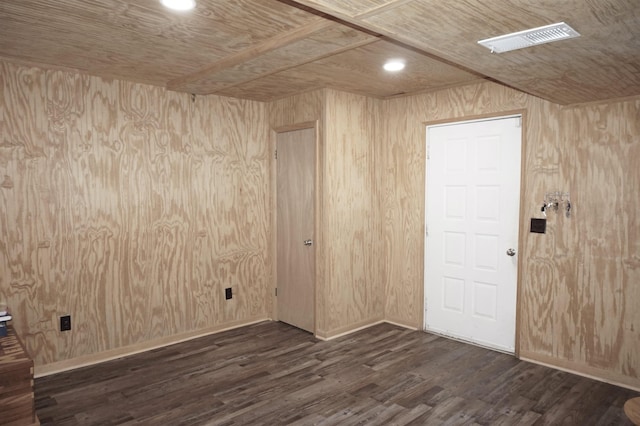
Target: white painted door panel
{"type": "Point", "coordinates": [472, 210]}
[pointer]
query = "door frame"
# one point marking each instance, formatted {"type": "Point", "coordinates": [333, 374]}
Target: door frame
{"type": "Point", "coordinates": [521, 219]}
{"type": "Point", "coordinates": [317, 242]}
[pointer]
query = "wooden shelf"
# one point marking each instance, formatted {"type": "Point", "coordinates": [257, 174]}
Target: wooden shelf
{"type": "Point", "coordinates": [16, 383]}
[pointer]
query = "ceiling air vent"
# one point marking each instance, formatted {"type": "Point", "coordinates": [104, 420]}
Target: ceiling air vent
{"type": "Point", "coordinates": [532, 37]}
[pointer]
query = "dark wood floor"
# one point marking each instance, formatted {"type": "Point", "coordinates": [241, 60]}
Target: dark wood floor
{"type": "Point", "coordinates": [274, 374]}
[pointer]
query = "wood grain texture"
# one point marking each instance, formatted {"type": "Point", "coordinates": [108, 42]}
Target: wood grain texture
{"type": "Point", "coordinates": [357, 70]}
{"type": "Point", "coordinates": [295, 275]}
{"type": "Point", "coordinates": [274, 374]}
{"type": "Point", "coordinates": [291, 50]}
{"type": "Point", "coordinates": [269, 49]}
{"type": "Point", "coordinates": [140, 41]}
{"type": "Point", "coordinates": [350, 8]}
{"type": "Point", "coordinates": [314, 41]}
{"type": "Point", "coordinates": [288, 113]}
{"type": "Point", "coordinates": [597, 320]}
{"type": "Point", "coordinates": [130, 208]}
{"type": "Point", "coordinates": [264, 47]}
{"type": "Point", "coordinates": [303, 108]}
{"type": "Point", "coordinates": [596, 66]}
{"type": "Point", "coordinates": [348, 270]}
{"type": "Point", "coordinates": [632, 410]}
{"type": "Point", "coordinates": [16, 382]}
{"type": "Point", "coordinates": [353, 287]}
{"type": "Point", "coordinates": [576, 281]}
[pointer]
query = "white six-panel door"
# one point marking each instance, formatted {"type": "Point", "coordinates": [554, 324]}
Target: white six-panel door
{"type": "Point", "coordinates": [472, 211]}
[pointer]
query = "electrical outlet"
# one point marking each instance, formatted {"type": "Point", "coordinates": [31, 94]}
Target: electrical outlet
{"type": "Point", "coordinates": [538, 226]}
{"type": "Point", "coordinates": [65, 323]}
{"type": "Point", "coordinates": [227, 293]}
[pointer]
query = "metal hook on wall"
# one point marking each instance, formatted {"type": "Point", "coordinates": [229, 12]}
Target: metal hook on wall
{"type": "Point", "coordinates": [554, 200]}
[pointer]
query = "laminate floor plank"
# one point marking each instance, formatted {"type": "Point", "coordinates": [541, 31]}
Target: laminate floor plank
{"type": "Point", "coordinates": [274, 374]}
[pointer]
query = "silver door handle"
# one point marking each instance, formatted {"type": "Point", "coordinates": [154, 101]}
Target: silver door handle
{"type": "Point", "coordinates": [511, 252]}
{"type": "Point", "coordinates": [308, 242]}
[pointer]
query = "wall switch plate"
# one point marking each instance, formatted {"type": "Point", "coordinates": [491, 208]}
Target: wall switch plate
{"type": "Point", "coordinates": [227, 293]}
{"type": "Point", "coordinates": [65, 323]}
{"type": "Point", "coordinates": [538, 226]}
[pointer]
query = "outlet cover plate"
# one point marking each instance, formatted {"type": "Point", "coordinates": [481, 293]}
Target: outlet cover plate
{"type": "Point", "coordinates": [65, 323]}
{"type": "Point", "coordinates": [538, 226]}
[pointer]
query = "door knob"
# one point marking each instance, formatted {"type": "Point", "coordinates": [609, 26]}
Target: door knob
{"type": "Point", "coordinates": [511, 252]}
{"type": "Point", "coordinates": [308, 242]}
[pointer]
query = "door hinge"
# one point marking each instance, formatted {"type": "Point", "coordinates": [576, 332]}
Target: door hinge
{"type": "Point", "coordinates": [276, 291]}
{"type": "Point", "coordinates": [428, 151]}
{"type": "Point", "coordinates": [275, 155]}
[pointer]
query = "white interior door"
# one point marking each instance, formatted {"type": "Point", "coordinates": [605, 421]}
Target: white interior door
{"type": "Point", "coordinates": [295, 224]}
{"type": "Point", "coordinates": [472, 211]}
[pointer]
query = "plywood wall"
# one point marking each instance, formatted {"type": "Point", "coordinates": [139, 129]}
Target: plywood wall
{"type": "Point", "coordinates": [348, 269]}
{"type": "Point", "coordinates": [354, 289]}
{"type": "Point", "coordinates": [129, 208]}
{"type": "Point", "coordinates": [306, 109]}
{"type": "Point", "coordinates": [578, 282]}
{"type": "Point", "coordinates": [596, 315]}
{"type": "Point", "coordinates": [132, 208]}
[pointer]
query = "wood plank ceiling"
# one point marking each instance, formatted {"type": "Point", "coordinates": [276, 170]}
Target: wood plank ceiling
{"type": "Point", "coordinates": [269, 49]}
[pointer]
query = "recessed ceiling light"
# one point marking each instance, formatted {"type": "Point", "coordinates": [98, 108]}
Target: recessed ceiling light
{"type": "Point", "coordinates": [531, 37]}
{"type": "Point", "coordinates": [180, 5]}
{"type": "Point", "coordinates": [394, 65]}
